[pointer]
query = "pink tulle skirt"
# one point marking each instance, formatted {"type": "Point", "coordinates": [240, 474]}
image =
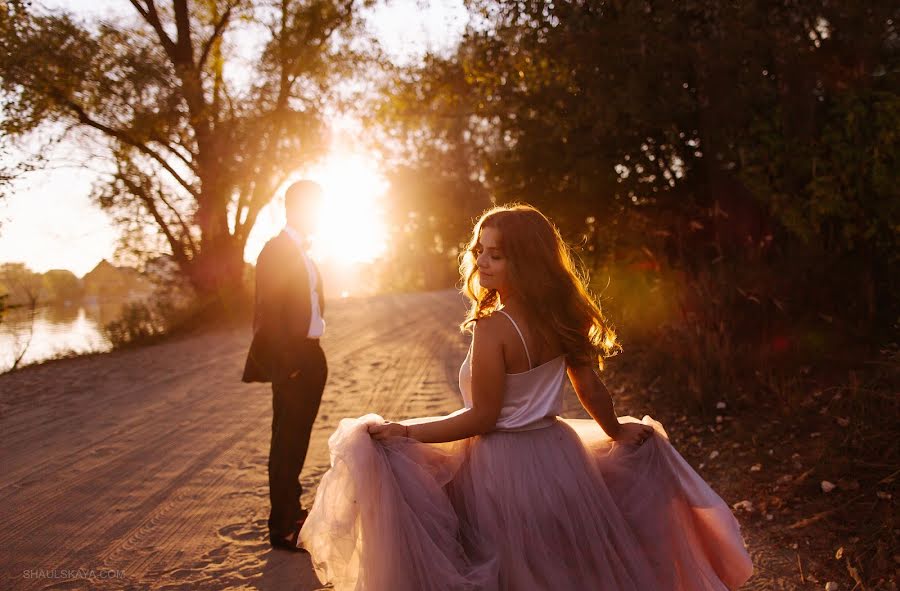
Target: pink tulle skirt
{"type": "Point", "coordinates": [561, 507]}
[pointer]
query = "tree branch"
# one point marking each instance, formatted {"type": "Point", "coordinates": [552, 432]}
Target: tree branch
{"type": "Point", "coordinates": [259, 200]}
{"type": "Point", "coordinates": [184, 226]}
{"type": "Point", "coordinates": [183, 26]}
{"type": "Point", "coordinates": [86, 119]}
{"type": "Point", "coordinates": [216, 34]}
{"type": "Point", "coordinates": [178, 250]}
{"type": "Point", "coordinates": [150, 15]}
{"type": "Point", "coordinates": [162, 142]}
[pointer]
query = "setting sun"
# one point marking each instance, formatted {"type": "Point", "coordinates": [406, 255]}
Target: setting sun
{"type": "Point", "coordinates": [350, 228]}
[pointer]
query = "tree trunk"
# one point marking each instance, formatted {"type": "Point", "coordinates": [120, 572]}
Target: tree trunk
{"type": "Point", "coordinates": [217, 272]}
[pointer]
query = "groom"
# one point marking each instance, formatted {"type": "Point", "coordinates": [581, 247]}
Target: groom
{"type": "Point", "coordinates": [285, 351]}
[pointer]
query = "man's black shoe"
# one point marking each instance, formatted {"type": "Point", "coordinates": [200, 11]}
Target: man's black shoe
{"type": "Point", "coordinates": [285, 543]}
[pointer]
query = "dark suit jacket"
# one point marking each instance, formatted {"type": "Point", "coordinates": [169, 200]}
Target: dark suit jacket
{"type": "Point", "coordinates": [282, 312]}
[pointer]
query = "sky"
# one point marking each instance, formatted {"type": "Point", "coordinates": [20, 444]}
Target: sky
{"type": "Point", "coordinates": [49, 222]}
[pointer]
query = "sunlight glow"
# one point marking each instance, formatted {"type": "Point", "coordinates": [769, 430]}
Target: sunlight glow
{"type": "Point", "coordinates": [351, 224]}
{"type": "Point", "coordinates": [350, 229]}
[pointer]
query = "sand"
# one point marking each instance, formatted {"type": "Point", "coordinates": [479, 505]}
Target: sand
{"type": "Point", "coordinates": [146, 468]}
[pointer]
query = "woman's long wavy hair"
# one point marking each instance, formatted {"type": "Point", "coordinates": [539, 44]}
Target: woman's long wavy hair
{"type": "Point", "coordinates": [543, 272]}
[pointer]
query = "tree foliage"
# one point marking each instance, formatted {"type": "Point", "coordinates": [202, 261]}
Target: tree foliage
{"type": "Point", "coordinates": [736, 127]}
{"type": "Point", "coordinates": [20, 285]}
{"type": "Point", "coordinates": [61, 285]}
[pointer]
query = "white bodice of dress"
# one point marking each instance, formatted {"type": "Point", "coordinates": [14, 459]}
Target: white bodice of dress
{"type": "Point", "coordinates": [531, 399]}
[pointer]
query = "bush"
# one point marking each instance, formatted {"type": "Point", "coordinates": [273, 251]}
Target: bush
{"type": "Point", "coordinates": [144, 321]}
{"type": "Point", "coordinates": [139, 323]}
{"type": "Point", "coordinates": [690, 334]}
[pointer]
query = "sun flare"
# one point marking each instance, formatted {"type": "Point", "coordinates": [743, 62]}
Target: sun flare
{"type": "Point", "coordinates": [350, 228]}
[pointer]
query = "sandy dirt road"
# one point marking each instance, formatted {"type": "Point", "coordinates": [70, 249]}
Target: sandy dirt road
{"type": "Point", "coordinates": [148, 466]}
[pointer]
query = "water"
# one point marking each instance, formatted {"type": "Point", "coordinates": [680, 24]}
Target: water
{"type": "Point", "coordinates": [58, 329]}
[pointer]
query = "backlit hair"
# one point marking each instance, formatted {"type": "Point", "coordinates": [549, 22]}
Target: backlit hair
{"type": "Point", "coordinates": [542, 271]}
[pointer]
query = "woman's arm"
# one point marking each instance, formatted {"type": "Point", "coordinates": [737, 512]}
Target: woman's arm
{"type": "Point", "coordinates": [596, 400]}
{"type": "Point", "coordinates": [488, 381]}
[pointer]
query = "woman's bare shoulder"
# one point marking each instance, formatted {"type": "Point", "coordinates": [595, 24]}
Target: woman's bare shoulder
{"type": "Point", "coordinates": [491, 327]}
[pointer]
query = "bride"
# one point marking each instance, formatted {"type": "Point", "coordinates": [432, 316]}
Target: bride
{"type": "Point", "coordinates": [503, 494]}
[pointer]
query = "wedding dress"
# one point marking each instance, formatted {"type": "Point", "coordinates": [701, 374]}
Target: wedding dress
{"type": "Point", "coordinates": [540, 503]}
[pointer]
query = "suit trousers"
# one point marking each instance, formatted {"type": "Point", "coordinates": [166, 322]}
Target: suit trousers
{"type": "Point", "coordinates": [295, 404]}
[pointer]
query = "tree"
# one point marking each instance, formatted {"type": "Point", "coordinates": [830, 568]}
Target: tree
{"type": "Point", "coordinates": [195, 152]}
{"type": "Point", "coordinates": [556, 96]}
{"type": "Point", "coordinates": [62, 285]}
{"type": "Point", "coordinates": [21, 287]}
{"type": "Point", "coordinates": [717, 124]}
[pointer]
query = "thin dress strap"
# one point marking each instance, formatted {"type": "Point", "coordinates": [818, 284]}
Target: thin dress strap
{"type": "Point", "coordinates": [520, 336]}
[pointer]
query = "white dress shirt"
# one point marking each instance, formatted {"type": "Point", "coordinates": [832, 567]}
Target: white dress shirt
{"type": "Point", "coordinates": [316, 322]}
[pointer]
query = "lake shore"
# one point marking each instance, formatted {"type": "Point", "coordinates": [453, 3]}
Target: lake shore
{"type": "Point", "coordinates": [55, 331]}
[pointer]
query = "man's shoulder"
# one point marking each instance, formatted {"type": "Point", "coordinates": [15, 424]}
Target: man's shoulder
{"type": "Point", "coordinates": [275, 244]}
